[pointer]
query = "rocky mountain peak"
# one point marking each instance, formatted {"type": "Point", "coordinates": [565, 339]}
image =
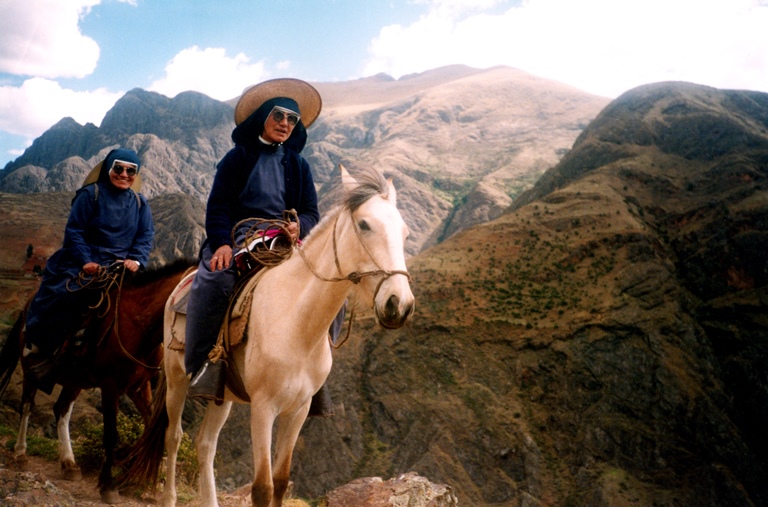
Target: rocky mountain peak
{"type": "Point", "coordinates": [177, 119]}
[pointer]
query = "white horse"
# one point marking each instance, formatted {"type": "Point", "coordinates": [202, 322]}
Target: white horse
{"type": "Point", "coordinates": [356, 248]}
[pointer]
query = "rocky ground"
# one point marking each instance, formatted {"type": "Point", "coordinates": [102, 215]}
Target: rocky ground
{"type": "Point", "coordinates": [40, 483]}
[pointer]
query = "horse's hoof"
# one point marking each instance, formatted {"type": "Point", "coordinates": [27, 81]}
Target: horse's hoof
{"type": "Point", "coordinates": [110, 496]}
{"type": "Point", "coordinates": [73, 474]}
{"type": "Point", "coordinates": [22, 462]}
{"type": "Point", "coordinates": [70, 471]}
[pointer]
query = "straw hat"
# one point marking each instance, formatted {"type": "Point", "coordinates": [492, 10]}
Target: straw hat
{"type": "Point", "coordinates": [93, 177]}
{"type": "Point", "coordinates": [302, 92]}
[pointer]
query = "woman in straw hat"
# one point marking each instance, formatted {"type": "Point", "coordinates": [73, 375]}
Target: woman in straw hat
{"type": "Point", "coordinates": [263, 175]}
{"type": "Point", "coordinates": [109, 222]}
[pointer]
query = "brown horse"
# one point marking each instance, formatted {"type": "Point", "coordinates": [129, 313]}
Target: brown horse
{"type": "Point", "coordinates": [125, 360]}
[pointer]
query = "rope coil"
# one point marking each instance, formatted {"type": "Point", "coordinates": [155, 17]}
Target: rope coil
{"type": "Point", "coordinates": [105, 280]}
{"type": "Point", "coordinates": [262, 230]}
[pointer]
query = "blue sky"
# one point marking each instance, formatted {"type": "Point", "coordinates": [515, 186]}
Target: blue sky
{"type": "Point", "coordinates": [77, 57]}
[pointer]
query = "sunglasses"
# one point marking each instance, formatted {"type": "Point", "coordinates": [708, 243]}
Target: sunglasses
{"type": "Point", "coordinates": [131, 170]}
{"type": "Point", "coordinates": [280, 113]}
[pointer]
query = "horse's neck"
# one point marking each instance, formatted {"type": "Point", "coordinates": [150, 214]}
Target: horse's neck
{"type": "Point", "coordinates": [314, 301]}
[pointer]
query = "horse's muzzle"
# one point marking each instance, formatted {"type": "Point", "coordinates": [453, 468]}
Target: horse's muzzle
{"type": "Point", "coordinates": [394, 315]}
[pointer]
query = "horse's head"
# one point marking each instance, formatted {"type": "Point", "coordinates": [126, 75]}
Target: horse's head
{"type": "Point", "coordinates": [378, 243]}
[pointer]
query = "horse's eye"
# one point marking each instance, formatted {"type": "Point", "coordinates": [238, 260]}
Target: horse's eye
{"type": "Point", "coordinates": [363, 225]}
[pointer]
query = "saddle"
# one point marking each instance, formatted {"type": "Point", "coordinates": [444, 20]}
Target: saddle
{"type": "Point", "coordinates": [236, 319]}
{"type": "Point", "coordinates": [231, 334]}
{"type": "Point", "coordinates": [272, 248]}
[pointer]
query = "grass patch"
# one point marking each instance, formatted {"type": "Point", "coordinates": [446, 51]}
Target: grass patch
{"type": "Point", "coordinates": [36, 445]}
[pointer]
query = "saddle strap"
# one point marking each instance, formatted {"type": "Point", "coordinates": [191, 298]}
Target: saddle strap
{"type": "Point", "coordinates": [234, 381]}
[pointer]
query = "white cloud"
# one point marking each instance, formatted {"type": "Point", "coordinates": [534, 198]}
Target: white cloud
{"type": "Point", "coordinates": [209, 71]}
{"type": "Point", "coordinates": [458, 7]}
{"type": "Point", "coordinates": [601, 46]}
{"type": "Point", "coordinates": [42, 38]}
{"type": "Point", "coordinates": [29, 110]}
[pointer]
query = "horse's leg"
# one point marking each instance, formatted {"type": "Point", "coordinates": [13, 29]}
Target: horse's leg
{"type": "Point", "coordinates": [62, 410]}
{"type": "Point", "coordinates": [176, 393]}
{"type": "Point", "coordinates": [207, 436]}
{"type": "Point", "coordinates": [262, 488]}
{"type": "Point", "coordinates": [109, 403]}
{"type": "Point", "coordinates": [288, 428]}
{"type": "Point", "coordinates": [142, 399]}
{"type": "Point", "coordinates": [27, 404]}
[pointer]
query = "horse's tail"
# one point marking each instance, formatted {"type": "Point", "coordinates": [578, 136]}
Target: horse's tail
{"type": "Point", "coordinates": [9, 356]}
{"type": "Point", "coordinates": [141, 466]}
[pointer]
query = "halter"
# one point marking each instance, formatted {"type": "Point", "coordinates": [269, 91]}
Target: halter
{"type": "Point", "coordinates": [355, 276]}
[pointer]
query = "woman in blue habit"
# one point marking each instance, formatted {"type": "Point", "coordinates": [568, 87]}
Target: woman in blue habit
{"type": "Point", "coordinates": [109, 222]}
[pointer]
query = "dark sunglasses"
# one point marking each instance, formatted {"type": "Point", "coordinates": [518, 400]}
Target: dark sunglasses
{"type": "Point", "coordinates": [279, 114]}
{"type": "Point", "coordinates": [118, 169]}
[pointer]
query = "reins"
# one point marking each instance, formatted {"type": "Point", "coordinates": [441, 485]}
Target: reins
{"type": "Point", "coordinates": [264, 229]}
{"type": "Point", "coordinates": [130, 356]}
{"type": "Point", "coordinates": [105, 279]}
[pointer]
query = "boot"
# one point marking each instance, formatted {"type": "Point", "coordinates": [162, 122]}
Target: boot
{"type": "Point", "coordinates": [321, 405]}
{"type": "Point", "coordinates": [208, 382]}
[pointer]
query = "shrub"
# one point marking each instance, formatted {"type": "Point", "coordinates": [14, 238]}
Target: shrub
{"type": "Point", "coordinates": [89, 448]}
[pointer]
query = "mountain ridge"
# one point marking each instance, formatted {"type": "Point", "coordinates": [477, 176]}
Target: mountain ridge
{"type": "Point", "coordinates": [401, 127]}
{"type": "Point", "coordinates": [600, 341]}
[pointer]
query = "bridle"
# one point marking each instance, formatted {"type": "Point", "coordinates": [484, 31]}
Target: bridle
{"type": "Point", "coordinates": [354, 276]}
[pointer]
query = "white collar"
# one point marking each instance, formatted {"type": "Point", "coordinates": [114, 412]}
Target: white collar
{"type": "Point", "coordinates": [264, 141]}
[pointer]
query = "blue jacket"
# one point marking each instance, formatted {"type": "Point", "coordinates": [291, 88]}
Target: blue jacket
{"type": "Point", "coordinates": [224, 208]}
{"type": "Point", "coordinates": [112, 226]}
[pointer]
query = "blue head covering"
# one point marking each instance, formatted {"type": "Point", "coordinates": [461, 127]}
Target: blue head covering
{"type": "Point", "coordinates": [247, 133]}
{"type": "Point", "coordinates": [118, 154]}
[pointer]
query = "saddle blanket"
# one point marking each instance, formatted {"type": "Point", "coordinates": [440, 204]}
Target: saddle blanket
{"type": "Point", "coordinates": [237, 319]}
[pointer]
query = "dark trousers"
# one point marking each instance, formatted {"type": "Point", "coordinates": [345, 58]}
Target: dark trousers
{"type": "Point", "coordinates": [55, 313]}
{"type": "Point", "coordinates": [206, 308]}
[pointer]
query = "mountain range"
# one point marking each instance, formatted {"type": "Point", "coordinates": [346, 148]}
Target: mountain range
{"type": "Point", "coordinates": [461, 143]}
{"type": "Point", "coordinates": [590, 279]}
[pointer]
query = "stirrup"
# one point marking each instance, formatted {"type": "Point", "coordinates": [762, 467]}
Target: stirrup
{"type": "Point", "coordinates": [208, 382]}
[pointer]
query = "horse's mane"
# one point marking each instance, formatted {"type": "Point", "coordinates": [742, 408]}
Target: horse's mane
{"type": "Point", "coordinates": [153, 274]}
{"type": "Point", "coordinates": [370, 183]}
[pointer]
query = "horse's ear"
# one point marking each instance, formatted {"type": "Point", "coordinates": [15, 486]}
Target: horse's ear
{"type": "Point", "coordinates": [347, 180]}
{"type": "Point", "coordinates": [392, 192]}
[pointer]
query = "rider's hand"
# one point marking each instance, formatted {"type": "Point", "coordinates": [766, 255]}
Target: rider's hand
{"type": "Point", "coordinates": [131, 265]}
{"type": "Point", "coordinates": [90, 268]}
{"type": "Point", "coordinates": [222, 258]}
{"type": "Point", "coordinates": [293, 229]}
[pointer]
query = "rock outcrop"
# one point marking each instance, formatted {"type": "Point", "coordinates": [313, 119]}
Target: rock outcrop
{"type": "Point", "coordinates": [406, 490]}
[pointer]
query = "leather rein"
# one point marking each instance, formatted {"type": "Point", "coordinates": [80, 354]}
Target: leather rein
{"type": "Point", "coordinates": [104, 280]}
